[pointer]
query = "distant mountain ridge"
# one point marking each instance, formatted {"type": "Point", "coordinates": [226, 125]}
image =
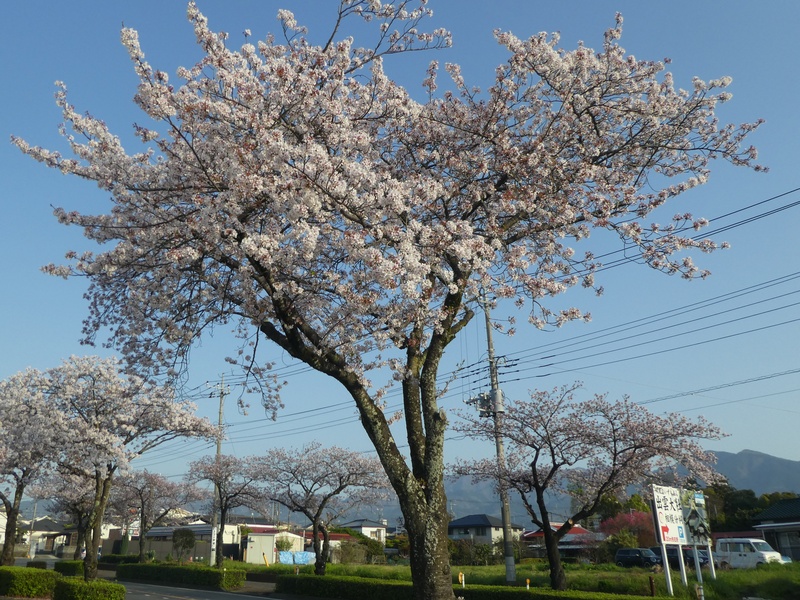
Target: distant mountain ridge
{"type": "Point", "coordinates": [762, 473]}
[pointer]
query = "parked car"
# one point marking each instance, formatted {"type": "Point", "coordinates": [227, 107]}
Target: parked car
{"type": "Point", "coordinates": [672, 557]}
{"type": "Point", "coordinates": [743, 553]}
{"type": "Point", "coordinates": [636, 557]}
{"type": "Point", "coordinates": [702, 556]}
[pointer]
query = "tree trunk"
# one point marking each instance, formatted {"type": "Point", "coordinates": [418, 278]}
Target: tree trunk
{"type": "Point", "coordinates": [94, 534]}
{"type": "Point", "coordinates": [558, 579]}
{"type": "Point", "coordinates": [142, 541]}
{"type": "Point", "coordinates": [320, 561]}
{"type": "Point", "coordinates": [12, 517]}
{"type": "Point", "coordinates": [420, 484]}
{"type": "Point", "coordinates": [143, 529]}
{"type": "Point", "coordinates": [223, 517]}
{"type": "Point", "coordinates": [426, 523]}
{"type": "Point", "coordinates": [80, 542]}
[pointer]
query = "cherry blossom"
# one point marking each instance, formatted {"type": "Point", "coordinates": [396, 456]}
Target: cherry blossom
{"type": "Point", "coordinates": [235, 483]}
{"type": "Point", "coordinates": [27, 448]}
{"type": "Point", "coordinates": [588, 449]}
{"type": "Point", "coordinates": [295, 192]}
{"type": "Point", "coordinates": [101, 421]}
{"type": "Point", "coordinates": [323, 484]}
{"type": "Point", "coordinates": [149, 498]}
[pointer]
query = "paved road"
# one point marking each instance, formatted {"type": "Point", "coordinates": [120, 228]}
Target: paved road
{"type": "Point", "coordinates": [142, 591]}
{"type": "Point", "coordinates": [146, 591]}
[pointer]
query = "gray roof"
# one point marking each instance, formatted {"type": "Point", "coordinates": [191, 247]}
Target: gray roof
{"type": "Point", "coordinates": [782, 510]}
{"type": "Point", "coordinates": [479, 521]}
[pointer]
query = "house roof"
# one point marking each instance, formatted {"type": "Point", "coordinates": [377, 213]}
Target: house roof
{"type": "Point", "coordinates": [786, 509]}
{"type": "Point", "coordinates": [479, 521]}
{"type": "Point", "coordinates": [576, 530]}
{"type": "Point", "coordinates": [363, 523]}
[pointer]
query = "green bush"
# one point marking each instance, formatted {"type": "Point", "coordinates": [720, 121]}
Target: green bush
{"type": "Point", "coordinates": [69, 568]}
{"type": "Point", "coordinates": [74, 588]}
{"type": "Point", "coordinates": [37, 564]}
{"type": "Point", "coordinates": [193, 575]}
{"type": "Point", "coordinates": [22, 582]}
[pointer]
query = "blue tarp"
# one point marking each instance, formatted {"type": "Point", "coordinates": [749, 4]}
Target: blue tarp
{"type": "Point", "coordinates": [297, 558]}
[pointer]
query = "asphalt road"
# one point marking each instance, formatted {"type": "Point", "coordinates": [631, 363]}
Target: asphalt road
{"type": "Point", "coordinates": [144, 591]}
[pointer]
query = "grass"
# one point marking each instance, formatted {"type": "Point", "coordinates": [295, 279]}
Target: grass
{"type": "Point", "coordinates": [772, 582]}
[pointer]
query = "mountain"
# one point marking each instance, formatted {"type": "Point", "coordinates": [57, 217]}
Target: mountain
{"type": "Point", "coordinates": [762, 473]}
{"type": "Point", "coordinates": [745, 470]}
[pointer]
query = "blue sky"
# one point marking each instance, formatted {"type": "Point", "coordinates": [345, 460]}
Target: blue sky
{"type": "Point", "coordinates": [725, 348]}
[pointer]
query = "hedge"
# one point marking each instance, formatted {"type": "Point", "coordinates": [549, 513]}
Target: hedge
{"type": "Point", "coordinates": [22, 582]}
{"type": "Point", "coordinates": [37, 564]}
{"type": "Point", "coordinates": [193, 575]}
{"type": "Point", "coordinates": [332, 586]}
{"type": "Point", "coordinates": [69, 568]}
{"type": "Point", "coordinates": [75, 588]}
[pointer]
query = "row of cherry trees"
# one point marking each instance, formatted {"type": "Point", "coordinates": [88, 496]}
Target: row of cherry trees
{"type": "Point", "coordinates": [69, 434]}
{"type": "Point", "coordinates": [321, 483]}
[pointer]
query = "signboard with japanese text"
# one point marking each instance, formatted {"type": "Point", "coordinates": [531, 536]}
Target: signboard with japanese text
{"type": "Point", "coordinates": [670, 527]}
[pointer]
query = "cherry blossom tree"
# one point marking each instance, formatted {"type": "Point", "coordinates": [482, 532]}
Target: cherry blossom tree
{"type": "Point", "coordinates": [26, 446]}
{"type": "Point", "coordinates": [71, 497]}
{"type": "Point", "coordinates": [638, 523]}
{"type": "Point", "coordinates": [151, 497]}
{"type": "Point", "coordinates": [296, 193]}
{"type": "Point", "coordinates": [235, 482]}
{"type": "Point", "coordinates": [102, 421]}
{"type": "Point", "coordinates": [587, 449]}
{"type": "Point", "coordinates": [322, 484]}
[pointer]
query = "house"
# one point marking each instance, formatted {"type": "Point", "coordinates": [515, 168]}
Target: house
{"type": "Point", "coordinates": [780, 526]}
{"type": "Point", "coordinates": [575, 544]}
{"type": "Point", "coordinates": [372, 529]}
{"type": "Point", "coordinates": [48, 536]}
{"type": "Point", "coordinates": [260, 545]}
{"type": "Point", "coordinates": [159, 541]}
{"type": "Point", "coordinates": [480, 529]}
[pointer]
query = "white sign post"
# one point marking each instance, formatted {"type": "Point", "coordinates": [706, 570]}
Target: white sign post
{"type": "Point", "coordinates": [670, 528]}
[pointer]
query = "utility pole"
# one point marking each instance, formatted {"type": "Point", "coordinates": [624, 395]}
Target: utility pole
{"type": "Point", "coordinates": [215, 506]}
{"type": "Point", "coordinates": [493, 406]}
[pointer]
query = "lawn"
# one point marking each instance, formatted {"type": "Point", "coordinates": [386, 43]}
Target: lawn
{"type": "Point", "coordinates": [773, 582]}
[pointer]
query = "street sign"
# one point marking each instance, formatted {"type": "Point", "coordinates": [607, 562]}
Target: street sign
{"type": "Point", "coordinates": [669, 515]}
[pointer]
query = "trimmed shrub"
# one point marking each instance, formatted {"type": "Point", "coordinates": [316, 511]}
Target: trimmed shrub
{"type": "Point", "coordinates": [74, 588]}
{"type": "Point", "coordinates": [192, 575]}
{"type": "Point", "coordinates": [22, 582]}
{"type": "Point", "coordinates": [69, 568]}
{"type": "Point", "coordinates": [37, 564]}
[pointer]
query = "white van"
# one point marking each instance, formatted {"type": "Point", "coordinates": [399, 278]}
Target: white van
{"type": "Point", "coordinates": [744, 553]}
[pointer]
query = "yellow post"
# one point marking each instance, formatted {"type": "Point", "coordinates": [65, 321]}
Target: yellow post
{"type": "Point", "coordinates": [266, 562]}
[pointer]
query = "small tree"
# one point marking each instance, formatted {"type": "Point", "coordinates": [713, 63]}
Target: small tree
{"type": "Point", "coordinates": [283, 544]}
{"type": "Point", "coordinates": [183, 541]}
{"type": "Point", "coordinates": [103, 421]}
{"type": "Point", "coordinates": [589, 449]}
{"type": "Point", "coordinates": [152, 497]}
{"type": "Point", "coordinates": [323, 484]}
{"type": "Point", "coordinates": [26, 446]}
{"type": "Point", "coordinates": [235, 482]}
{"type": "Point", "coordinates": [71, 497]}
{"type": "Point", "coordinates": [638, 523]}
